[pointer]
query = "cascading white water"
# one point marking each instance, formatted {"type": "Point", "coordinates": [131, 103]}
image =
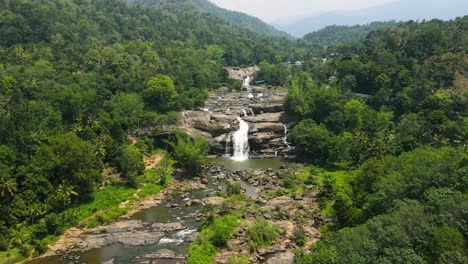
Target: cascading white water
{"type": "Point", "coordinates": [241, 141]}
{"type": "Point", "coordinates": [285, 138]}
{"type": "Point", "coordinates": [244, 112]}
{"type": "Point", "coordinates": [252, 112]}
{"type": "Point", "coordinates": [246, 83]}
{"type": "Point", "coordinates": [227, 150]}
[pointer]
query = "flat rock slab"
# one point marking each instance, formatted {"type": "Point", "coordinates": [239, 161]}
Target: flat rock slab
{"type": "Point", "coordinates": [265, 118]}
{"type": "Point", "coordinates": [281, 258]}
{"type": "Point", "coordinates": [168, 227]}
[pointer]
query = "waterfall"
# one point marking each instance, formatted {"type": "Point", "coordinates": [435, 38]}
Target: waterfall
{"type": "Point", "coordinates": [285, 138]}
{"type": "Point", "coordinates": [241, 141]}
{"type": "Point", "coordinates": [252, 112]}
{"type": "Point", "coordinates": [227, 150]}
{"type": "Point", "coordinates": [244, 112]}
{"type": "Point", "coordinates": [246, 83]}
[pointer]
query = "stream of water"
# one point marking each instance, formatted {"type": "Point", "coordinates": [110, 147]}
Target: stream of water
{"type": "Point", "coordinates": [241, 141]}
{"type": "Point", "coordinates": [175, 241]}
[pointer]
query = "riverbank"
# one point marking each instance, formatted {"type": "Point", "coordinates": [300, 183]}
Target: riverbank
{"type": "Point", "coordinates": [78, 238]}
{"type": "Point", "coordinates": [162, 226]}
{"type": "Point", "coordinates": [285, 200]}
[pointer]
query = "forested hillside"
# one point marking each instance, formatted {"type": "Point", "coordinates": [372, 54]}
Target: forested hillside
{"type": "Point", "coordinates": [404, 198]}
{"type": "Point", "coordinates": [378, 129]}
{"type": "Point", "coordinates": [76, 77]}
{"type": "Point", "coordinates": [235, 18]}
{"type": "Point", "coordinates": [332, 35]}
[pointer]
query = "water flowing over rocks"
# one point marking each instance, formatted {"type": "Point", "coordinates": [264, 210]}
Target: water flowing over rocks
{"type": "Point", "coordinates": [240, 74]}
{"type": "Point", "coordinates": [260, 107]}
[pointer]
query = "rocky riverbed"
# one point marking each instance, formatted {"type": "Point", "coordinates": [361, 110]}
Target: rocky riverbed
{"type": "Point", "coordinates": [272, 203]}
{"type": "Point", "coordinates": [162, 232]}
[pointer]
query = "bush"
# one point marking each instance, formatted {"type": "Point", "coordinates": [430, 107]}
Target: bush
{"type": "Point", "coordinates": [131, 164]}
{"type": "Point", "coordinates": [299, 236]}
{"type": "Point", "coordinates": [221, 230]}
{"type": "Point", "coordinates": [40, 230]}
{"type": "Point", "coordinates": [54, 224]}
{"type": "Point", "coordinates": [40, 246]}
{"type": "Point", "coordinates": [3, 243]}
{"type": "Point", "coordinates": [201, 253]}
{"type": "Point", "coordinates": [190, 153]}
{"type": "Point", "coordinates": [233, 189]}
{"type": "Point", "coordinates": [262, 233]}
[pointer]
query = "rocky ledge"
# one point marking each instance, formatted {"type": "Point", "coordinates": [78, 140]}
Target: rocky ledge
{"type": "Point", "coordinates": [261, 107]}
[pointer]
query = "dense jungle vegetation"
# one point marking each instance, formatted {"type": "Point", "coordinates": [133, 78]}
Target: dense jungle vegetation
{"type": "Point", "coordinates": [391, 110]}
{"type": "Point", "coordinates": [78, 78]}
{"type": "Point", "coordinates": [331, 35]}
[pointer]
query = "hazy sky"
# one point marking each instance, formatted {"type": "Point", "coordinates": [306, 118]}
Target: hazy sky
{"type": "Point", "coordinates": [270, 10]}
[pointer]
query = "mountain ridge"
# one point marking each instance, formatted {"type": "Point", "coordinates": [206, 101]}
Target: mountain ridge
{"type": "Point", "coordinates": [399, 10]}
{"type": "Point", "coordinates": [235, 18]}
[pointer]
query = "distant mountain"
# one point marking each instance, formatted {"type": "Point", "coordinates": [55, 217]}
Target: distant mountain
{"type": "Point", "coordinates": [240, 19]}
{"type": "Point", "coordinates": [331, 35]}
{"type": "Point", "coordinates": [235, 18]}
{"type": "Point", "coordinates": [401, 10]}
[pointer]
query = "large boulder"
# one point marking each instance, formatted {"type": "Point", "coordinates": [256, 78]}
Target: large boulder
{"type": "Point", "coordinates": [266, 118]}
{"type": "Point", "coordinates": [267, 127]}
{"type": "Point", "coordinates": [197, 119]}
{"type": "Point", "coordinates": [262, 138]}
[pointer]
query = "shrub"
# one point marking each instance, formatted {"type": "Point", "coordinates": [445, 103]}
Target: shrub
{"type": "Point", "coordinates": [233, 189]}
{"type": "Point", "coordinates": [221, 230]}
{"type": "Point", "coordinates": [299, 236]}
{"type": "Point", "coordinates": [54, 224]}
{"type": "Point", "coordinates": [3, 243]}
{"type": "Point", "coordinates": [262, 233]}
{"type": "Point", "coordinates": [40, 246]}
{"type": "Point", "coordinates": [40, 230]}
{"type": "Point", "coordinates": [190, 153]}
{"type": "Point", "coordinates": [201, 253]}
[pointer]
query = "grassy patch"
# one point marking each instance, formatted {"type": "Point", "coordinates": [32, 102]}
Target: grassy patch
{"type": "Point", "coordinates": [214, 235]}
{"type": "Point", "coordinates": [100, 207]}
{"type": "Point", "coordinates": [201, 253]}
{"type": "Point", "coordinates": [10, 256]}
{"type": "Point", "coordinates": [107, 199]}
{"type": "Point", "coordinates": [262, 233]}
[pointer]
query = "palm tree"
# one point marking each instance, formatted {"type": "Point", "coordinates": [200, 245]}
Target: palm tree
{"type": "Point", "coordinates": [8, 187]}
{"type": "Point", "coordinates": [439, 141]}
{"type": "Point", "coordinates": [462, 140]}
{"type": "Point", "coordinates": [36, 211]}
{"type": "Point", "coordinates": [17, 238]}
{"type": "Point", "coordinates": [65, 193]}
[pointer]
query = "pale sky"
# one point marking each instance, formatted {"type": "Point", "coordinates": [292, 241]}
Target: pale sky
{"type": "Point", "coordinates": [271, 10]}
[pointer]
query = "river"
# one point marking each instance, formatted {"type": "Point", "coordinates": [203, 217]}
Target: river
{"type": "Point", "coordinates": [172, 210]}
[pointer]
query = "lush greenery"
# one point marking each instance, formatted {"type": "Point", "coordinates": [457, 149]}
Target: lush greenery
{"type": "Point", "coordinates": [190, 153]}
{"type": "Point", "coordinates": [412, 98]}
{"type": "Point", "coordinates": [214, 235]}
{"type": "Point", "coordinates": [240, 19]}
{"type": "Point", "coordinates": [262, 233]}
{"type": "Point", "coordinates": [80, 81]}
{"type": "Point", "coordinates": [332, 35]}
{"type": "Point", "coordinates": [403, 143]}
{"type": "Point", "coordinates": [235, 18]}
